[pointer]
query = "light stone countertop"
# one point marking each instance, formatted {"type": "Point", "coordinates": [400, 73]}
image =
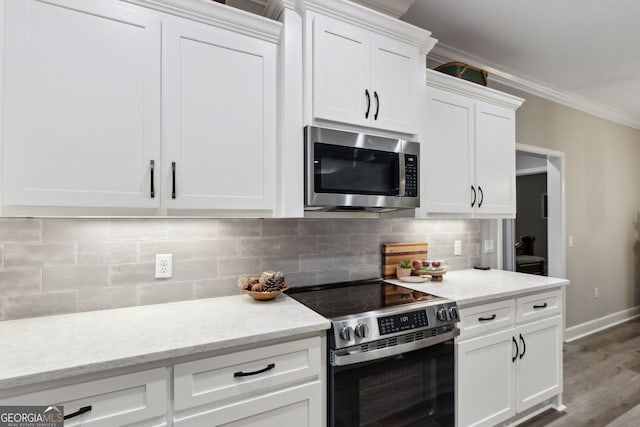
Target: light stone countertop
{"type": "Point", "coordinates": [468, 287]}
{"type": "Point", "coordinates": [48, 348]}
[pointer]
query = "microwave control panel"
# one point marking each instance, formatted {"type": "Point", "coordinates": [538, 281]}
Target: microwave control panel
{"type": "Point", "coordinates": [411, 175]}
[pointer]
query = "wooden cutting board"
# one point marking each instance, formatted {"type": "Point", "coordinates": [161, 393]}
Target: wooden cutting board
{"type": "Point", "coordinates": [394, 253]}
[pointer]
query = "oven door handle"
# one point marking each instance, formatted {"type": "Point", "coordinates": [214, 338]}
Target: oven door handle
{"type": "Point", "coordinates": [352, 358]}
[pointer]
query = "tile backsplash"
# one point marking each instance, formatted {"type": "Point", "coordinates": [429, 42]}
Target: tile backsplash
{"type": "Point", "coordinates": [52, 266]}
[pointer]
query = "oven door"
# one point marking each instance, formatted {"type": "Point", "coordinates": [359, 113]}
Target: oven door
{"type": "Point", "coordinates": [410, 389]}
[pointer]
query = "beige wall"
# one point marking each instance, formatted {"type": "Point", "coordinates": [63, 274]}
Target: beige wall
{"type": "Point", "coordinates": [602, 185]}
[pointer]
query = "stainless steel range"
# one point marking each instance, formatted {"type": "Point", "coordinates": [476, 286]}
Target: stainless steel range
{"type": "Point", "coordinates": [390, 359]}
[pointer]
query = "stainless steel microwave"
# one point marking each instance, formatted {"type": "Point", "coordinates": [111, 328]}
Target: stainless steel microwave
{"type": "Point", "coordinates": [355, 171]}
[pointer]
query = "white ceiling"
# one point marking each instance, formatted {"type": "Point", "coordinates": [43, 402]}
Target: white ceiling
{"type": "Point", "coordinates": [582, 53]}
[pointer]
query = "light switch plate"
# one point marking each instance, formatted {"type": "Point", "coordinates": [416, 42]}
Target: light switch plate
{"type": "Point", "coordinates": [457, 247]}
{"type": "Point", "coordinates": [489, 246]}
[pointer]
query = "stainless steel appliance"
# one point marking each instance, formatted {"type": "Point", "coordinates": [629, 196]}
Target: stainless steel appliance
{"type": "Point", "coordinates": [390, 353]}
{"type": "Point", "coordinates": [349, 171]}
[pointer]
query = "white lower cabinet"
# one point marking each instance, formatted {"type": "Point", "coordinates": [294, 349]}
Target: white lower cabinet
{"type": "Point", "coordinates": [275, 385]}
{"type": "Point", "coordinates": [280, 384]}
{"type": "Point", "coordinates": [138, 398]}
{"type": "Point", "coordinates": [485, 379]}
{"type": "Point", "coordinates": [295, 406]}
{"type": "Point", "coordinates": [539, 367]}
{"type": "Point", "coordinates": [506, 366]}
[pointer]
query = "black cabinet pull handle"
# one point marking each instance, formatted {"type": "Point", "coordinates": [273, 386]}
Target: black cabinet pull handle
{"type": "Point", "coordinates": [541, 306]}
{"type": "Point", "coordinates": [246, 374]}
{"type": "Point", "coordinates": [481, 196]}
{"type": "Point", "coordinates": [524, 346]}
{"type": "Point", "coordinates": [473, 202]}
{"type": "Point", "coordinates": [152, 165]}
{"type": "Point", "coordinates": [513, 359]}
{"type": "Point", "coordinates": [78, 412]}
{"type": "Point", "coordinates": [173, 180]}
{"type": "Point", "coordinates": [375, 95]}
{"type": "Point", "coordinates": [366, 93]}
{"type": "Point", "coordinates": [484, 319]}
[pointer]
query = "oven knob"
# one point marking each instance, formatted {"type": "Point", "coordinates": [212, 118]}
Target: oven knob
{"type": "Point", "coordinates": [346, 333]}
{"type": "Point", "coordinates": [443, 314]}
{"type": "Point", "coordinates": [453, 313]}
{"type": "Point", "coordinates": [361, 330]}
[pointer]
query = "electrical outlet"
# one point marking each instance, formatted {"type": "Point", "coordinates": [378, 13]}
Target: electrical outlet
{"type": "Point", "coordinates": [457, 247]}
{"type": "Point", "coordinates": [489, 246]}
{"type": "Point", "coordinates": [570, 241]}
{"type": "Point", "coordinates": [163, 266]}
{"type": "Point", "coordinates": [596, 292]}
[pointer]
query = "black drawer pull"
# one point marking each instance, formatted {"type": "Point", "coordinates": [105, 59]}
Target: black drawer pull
{"type": "Point", "coordinates": [375, 95]}
{"type": "Point", "coordinates": [366, 93]}
{"type": "Point", "coordinates": [78, 412]}
{"type": "Point", "coordinates": [246, 374]}
{"type": "Point", "coordinates": [524, 346]}
{"type": "Point", "coordinates": [541, 306]}
{"type": "Point", "coordinates": [152, 166]}
{"type": "Point", "coordinates": [173, 180]}
{"type": "Point", "coordinates": [485, 319]}
{"type": "Point", "coordinates": [513, 359]}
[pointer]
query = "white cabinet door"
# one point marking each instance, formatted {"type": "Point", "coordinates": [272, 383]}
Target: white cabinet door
{"type": "Point", "coordinates": [299, 406]}
{"type": "Point", "coordinates": [485, 381]}
{"type": "Point", "coordinates": [341, 63]}
{"type": "Point", "coordinates": [539, 369]}
{"type": "Point", "coordinates": [138, 398]}
{"type": "Point", "coordinates": [81, 104]}
{"type": "Point", "coordinates": [395, 84]}
{"type": "Point", "coordinates": [447, 156]}
{"type": "Point", "coordinates": [495, 154]}
{"type": "Point", "coordinates": [219, 108]}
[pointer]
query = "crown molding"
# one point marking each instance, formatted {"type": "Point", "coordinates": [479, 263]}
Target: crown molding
{"type": "Point", "coordinates": [395, 8]}
{"type": "Point", "coordinates": [449, 83]}
{"type": "Point", "coordinates": [442, 53]}
{"type": "Point", "coordinates": [372, 20]}
{"type": "Point", "coordinates": [209, 12]}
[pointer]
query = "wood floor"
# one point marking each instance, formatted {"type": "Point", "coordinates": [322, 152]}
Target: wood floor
{"type": "Point", "coordinates": [601, 381]}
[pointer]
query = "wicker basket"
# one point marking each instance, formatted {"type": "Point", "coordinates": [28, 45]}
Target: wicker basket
{"type": "Point", "coordinates": [464, 71]}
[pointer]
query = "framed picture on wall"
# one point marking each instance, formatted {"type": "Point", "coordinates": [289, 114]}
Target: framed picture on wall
{"type": "Point", "coordinates": [544, 205]}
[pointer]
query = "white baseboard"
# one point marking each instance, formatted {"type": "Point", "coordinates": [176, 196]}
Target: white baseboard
{"type": "Point", "coordinates": [592, 326]}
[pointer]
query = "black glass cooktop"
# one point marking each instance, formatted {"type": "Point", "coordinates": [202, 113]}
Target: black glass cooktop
{"type": "Point", "coordinates": [341, 299]}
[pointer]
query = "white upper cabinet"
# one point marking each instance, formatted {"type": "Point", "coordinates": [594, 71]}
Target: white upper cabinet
{"type": "Point", "coordinates": [220, 119]}
{"type": "Point", "coordinates": [364, 69]}
{"type": "Point", "coordinates": [116, 109]}
{"type": "Point", "coordinates": [448, 152]}
{"type": "Point", "coordinates": [495, 150]}
{"type": "Point", "coordinates": [81, 104]}
{"type": "Point", "coordinates": [395, 78]}
{"type": "Point", "coordinates": [468, 161]}
{"type": "Point", "coordinates": [341, 59]}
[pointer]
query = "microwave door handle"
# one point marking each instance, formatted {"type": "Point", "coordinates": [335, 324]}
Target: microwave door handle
{"type": "Point", "coordinates": [401, 175]}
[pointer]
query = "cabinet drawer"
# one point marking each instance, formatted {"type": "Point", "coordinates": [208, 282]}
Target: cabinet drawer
{"type": "Point", "coordinates": [299, 406]}
{"type": "Point", "coordinates": [114, 401]}
{"type": "Point", "coordinates": [246, 372]}
{"type": "Point", "coordinates": [487, 317]}
{"type": "Point", "coordinates": [537, 306]}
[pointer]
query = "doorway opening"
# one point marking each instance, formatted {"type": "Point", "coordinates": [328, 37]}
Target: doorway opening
{"type": "Point", "coordinates": [545, 246]}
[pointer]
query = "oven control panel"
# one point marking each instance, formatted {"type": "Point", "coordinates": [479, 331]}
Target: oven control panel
{"type": "Point", "coordinates": [402, 322]}
{"type": "Point", "coordinates": [438, 316]}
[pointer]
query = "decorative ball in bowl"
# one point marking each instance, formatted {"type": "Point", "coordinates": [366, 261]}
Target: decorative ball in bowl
{"type": "Point", "coordinates": [264, 287]}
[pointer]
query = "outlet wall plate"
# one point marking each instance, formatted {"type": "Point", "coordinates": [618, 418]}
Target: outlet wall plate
{"type": "Point", "coordinates": [164, 266]}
